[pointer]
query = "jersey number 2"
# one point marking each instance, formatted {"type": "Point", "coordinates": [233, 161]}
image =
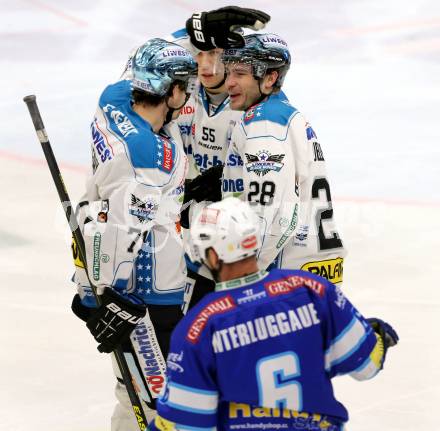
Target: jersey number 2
{"type": "Point", "coordinates": [277, 387]}
{"type": "Point", "coordinates": [324, 214]}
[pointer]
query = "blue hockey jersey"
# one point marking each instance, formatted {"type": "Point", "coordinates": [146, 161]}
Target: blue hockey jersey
{"type": "Point", "coordinates": [262, 350]}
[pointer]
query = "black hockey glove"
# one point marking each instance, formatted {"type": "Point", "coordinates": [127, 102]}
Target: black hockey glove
{"type": "Point", "coordinates": [217, 28]}
{"type": "Point", "coordinates": [205, 187]}
{"type": "Point", "coordinates": [387, 333]}
{"type": "Point", "coordinates": [114, 320]}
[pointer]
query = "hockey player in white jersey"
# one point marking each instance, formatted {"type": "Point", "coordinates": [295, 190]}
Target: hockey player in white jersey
{"type": "Point", "coordinates": [130, 216]}
{"type": "Point", "coordinates": [207, 120]}
{"type": "Point", "coordinates": [281, 168]}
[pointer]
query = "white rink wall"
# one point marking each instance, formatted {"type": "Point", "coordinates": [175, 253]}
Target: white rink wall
{"type": "Point", "coordinates": [366, 74]}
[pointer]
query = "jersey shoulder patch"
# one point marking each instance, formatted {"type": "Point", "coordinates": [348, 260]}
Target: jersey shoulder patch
{"type": "Point", "coordinates": [285, 282]}
{"type": "Point", "coordinates": [146, 149]}
{"type": "Point", "coordinates": [213, 305]}
{"type": "Point", "coordinates": [276, 109]}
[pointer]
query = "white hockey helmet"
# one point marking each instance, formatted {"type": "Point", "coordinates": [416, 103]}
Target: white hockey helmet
{"type": "Point", "coordinates": [230, 227]}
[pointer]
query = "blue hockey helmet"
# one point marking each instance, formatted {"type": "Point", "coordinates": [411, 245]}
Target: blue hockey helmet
{"type": "Point", "coordinates": [264, 52]}
{"type": "Point", "coordinates": [158, 63]}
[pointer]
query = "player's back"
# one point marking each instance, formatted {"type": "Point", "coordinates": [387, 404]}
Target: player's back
{"type": "Point", "coordinates": [271, 346]}
{"type": "Point", "coordinates": [270, 352]}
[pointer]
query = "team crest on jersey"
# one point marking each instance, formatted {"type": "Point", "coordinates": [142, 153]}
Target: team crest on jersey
{"type": "Point", "coordinates": [264, 162]}
{"type": "Point", "coordinates": [143, 210]}
{"type": "Point", "coordinates": [251, 112]}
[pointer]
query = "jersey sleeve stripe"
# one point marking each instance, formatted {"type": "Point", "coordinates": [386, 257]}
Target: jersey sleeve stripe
{"type": "Point", "coordinates": [345, 344]}
{"type": "Point", "coordinates": [366, 371]}
{"type": "Point", "coordinates": [184, 397]}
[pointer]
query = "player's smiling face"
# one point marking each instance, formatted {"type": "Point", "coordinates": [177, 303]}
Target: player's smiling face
{"type": "Point", "coordinates": [211, 70]}
{"type": "Point", "coordinates": [242, 87]}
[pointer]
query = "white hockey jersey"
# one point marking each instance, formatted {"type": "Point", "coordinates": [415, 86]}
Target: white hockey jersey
{"type": "Point", "coordinates": [275, 162]}
{"type": "Point", "coordinates": [206, 131]}
{"type": "Point", "coordinates": [140, 174]}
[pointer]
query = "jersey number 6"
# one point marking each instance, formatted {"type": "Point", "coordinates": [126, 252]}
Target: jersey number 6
{"type": "Point", "coordinates": [277, 387]}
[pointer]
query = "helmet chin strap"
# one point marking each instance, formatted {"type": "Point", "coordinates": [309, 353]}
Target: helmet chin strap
{"type": "Point", "coordinates": [171, 110]}
{"type": "Point", "coordinates": [262, 95]}
{"type": "Point", "coordinates": [216, 271]}
{"type": "Point", "coordinates": [215, 87]}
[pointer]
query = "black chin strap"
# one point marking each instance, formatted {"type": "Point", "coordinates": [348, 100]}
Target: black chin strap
{"type": "Point", "coordinates": [218, 85]}
{"type": "Point", "coordinates": [170, 112]}
{"type": "Point", "coordinates": [215, 271]}
{"type": "Point", "coordinates": [262, 96]}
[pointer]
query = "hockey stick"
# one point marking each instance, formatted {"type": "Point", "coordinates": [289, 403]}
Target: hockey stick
{"type": "Point", "coordinates": [34, 112]}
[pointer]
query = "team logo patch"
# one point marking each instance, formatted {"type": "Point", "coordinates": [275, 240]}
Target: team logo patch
{"type": "Point", "coordinates": [143, 210]}
{"type": "Point", "coordinates": [249, 114]}
{"type": "Point", "coordinates": [264, 162]}
{"type": "Point", "coordinates": [219, 306]}
{"type": "Point", "coordinates": [301, 235]}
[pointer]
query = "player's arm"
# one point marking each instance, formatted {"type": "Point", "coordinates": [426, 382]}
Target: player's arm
{"type": "Point", "coordinates": [191, 397]}
{"type": "Point", "coordinates": [354, 345]}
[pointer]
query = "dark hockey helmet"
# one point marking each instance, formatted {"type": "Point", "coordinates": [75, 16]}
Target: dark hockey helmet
{"type": "Point", "coordinates": [158, 63]}
{"type": "Point", "coordinates": [264, 52]}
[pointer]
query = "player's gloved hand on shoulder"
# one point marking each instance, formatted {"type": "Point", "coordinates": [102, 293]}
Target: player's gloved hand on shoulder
{"type": "Point", "coordinates": [114, 320]}
{"type": "Point", "coordinates": [217, 28]}
{"type": "Point", "coordinates": [386, 332]}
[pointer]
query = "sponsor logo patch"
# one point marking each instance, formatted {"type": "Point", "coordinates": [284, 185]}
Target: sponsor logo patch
{"type": "Point", "coordinates": [219, 306]}
{"type": "Point", "coordinates": [264, 162]}
{"type": "Point", "coordinates": [122, 122]}
{"type": "Point", "coordinates": [249, 296]}
{"type": "Point", "coordinates": [150, 357]}
{"type": "Point", "coordinates": [166, 164]}
{"type": "Point", "coordinates": [101, 148]}
{"type": "Point", "coordinates": [287, 285]}
{"type": "Point", "coordinates": [174, 360]}
{"type": "Point", "coordinates": [209, 216]}
{"type": "Point", "coordinates": [249, 243]}
{"type": "Point", "coordinates": [331, 269]}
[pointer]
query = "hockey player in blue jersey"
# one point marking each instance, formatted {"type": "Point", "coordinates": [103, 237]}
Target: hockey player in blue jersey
{"type": "Point", "coordinates": [261, 351]}
{"type": "Point", "coordinates": [282, 171]}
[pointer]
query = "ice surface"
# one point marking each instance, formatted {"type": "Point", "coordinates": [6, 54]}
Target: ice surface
{"type": "Point", "coordinates": [366, 74]}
